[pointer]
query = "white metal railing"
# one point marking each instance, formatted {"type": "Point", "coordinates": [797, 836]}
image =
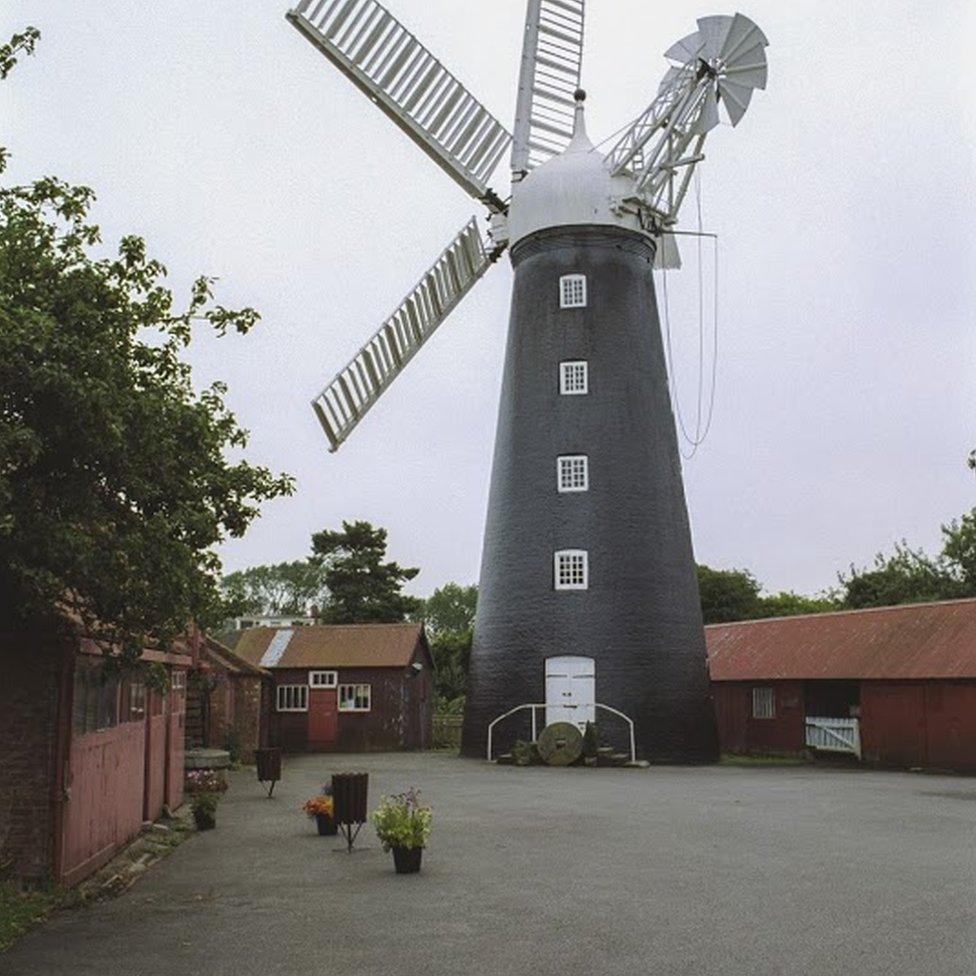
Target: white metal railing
{"type": "Point", "coordinates": [834, 735]}
{"type": "Point", "coordinates": [534, 706]}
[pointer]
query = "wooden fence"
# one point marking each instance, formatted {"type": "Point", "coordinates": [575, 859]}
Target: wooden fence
{"type": "Point", "coordinates": [447, 731]}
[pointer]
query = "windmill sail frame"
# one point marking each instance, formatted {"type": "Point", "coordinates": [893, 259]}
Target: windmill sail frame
{"type": "Point", "coordinates": [357, 386]}
{"type": "Point", "coordinates": [411, 86]}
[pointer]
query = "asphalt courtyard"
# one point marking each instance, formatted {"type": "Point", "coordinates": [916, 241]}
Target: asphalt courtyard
{"type": "Point", "coordinates": [665, 871]}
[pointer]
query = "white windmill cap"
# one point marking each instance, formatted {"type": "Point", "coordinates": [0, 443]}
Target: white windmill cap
{"type": "Point", "coordinates": [572, 188]}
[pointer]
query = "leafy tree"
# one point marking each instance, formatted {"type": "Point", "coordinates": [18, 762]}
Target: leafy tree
{"type": "Point", "coordinates": [362, 587]}
{"type": "Point", "coordinates": [790, 604]}
{"type": "Point", "coordinates": [959, 550]}
{"type": "Point", "coordinates": [728, 594]}
{"type": "Point", "coordinates": [906, 576]}
{"type": "Point", "coordinates": [291, 588]}
{"type": "Point", "coordinates": [449, 609]}
{"type": "Point", "coordinates": [448, 614]}
{"type": "Point", "coordinates": [114, 485]}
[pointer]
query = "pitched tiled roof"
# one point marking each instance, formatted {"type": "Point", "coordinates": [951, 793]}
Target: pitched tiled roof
{"type": "Point", "coordinates": [216, 652]}
{"type": "Point", "coordinates": [331, 646]}
{"type": "Point", "coordinates": [922, 640]}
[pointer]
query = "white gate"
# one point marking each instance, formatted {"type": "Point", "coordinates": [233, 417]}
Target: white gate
{"type": "Point", "coordinates": [571, 690]}
{"type": "Point", "coordinates": [834, 735]}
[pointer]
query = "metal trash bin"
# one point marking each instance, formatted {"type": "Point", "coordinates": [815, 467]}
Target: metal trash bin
{"type": "Point", "coordinates": [349, 800]}
{"type": "Point", "coordinates": [269, 766]}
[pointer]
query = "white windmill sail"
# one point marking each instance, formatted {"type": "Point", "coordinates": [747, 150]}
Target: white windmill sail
{"type": "Point", "coordinates": [347, 398]}
{"type": "Point", "coordinates": [383, 59]}
{"type": "Point", "coordinates": [552, 60]}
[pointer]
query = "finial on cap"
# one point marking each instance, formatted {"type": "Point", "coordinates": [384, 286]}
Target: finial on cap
{"type": "Point", "coordinates": [580, 95]}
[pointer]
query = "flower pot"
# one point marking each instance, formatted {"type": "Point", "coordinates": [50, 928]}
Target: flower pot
{"type": "Point", "coordinates": [407, 859]}
{"type": "Point", "coordinates": [204, 819]}
{"type": "Point", "coordinates": [327, 826]}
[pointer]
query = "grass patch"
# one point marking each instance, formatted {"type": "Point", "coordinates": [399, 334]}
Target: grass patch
{"type": "Point", "coordinates": [733, 759]}
{"type": "Point", "coordinates": [21, 908]}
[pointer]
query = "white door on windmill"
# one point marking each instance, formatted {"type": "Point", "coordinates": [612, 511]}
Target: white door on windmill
{"type": "Point", "coordinates": [571, 690]}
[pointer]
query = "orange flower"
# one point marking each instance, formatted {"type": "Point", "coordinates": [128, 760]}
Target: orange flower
{"type": "Point", "coordinates": [318, 806]}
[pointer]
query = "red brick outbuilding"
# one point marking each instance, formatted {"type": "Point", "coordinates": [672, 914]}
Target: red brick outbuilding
{"type": "Point", "coordinates": [346, 688]}
{"type": "Point", "coordinates": [85, 757]}
{"type": "Point", "coordinates": [906, 674]}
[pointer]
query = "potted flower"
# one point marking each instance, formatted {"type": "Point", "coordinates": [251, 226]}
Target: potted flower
{"type": "Point", "coordinates": [205, 787]}
{"type": "Point", "coordinates": [320, 809]}
{"type": "Point", "coordinates": [403, 825]}
{"type": "Point", "coordinates": [204, 807]}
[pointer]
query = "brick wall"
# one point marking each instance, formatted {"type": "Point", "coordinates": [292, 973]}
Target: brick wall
{"type": "Point", "coordinates": [29, 705]}
{"type": "Point", "coordinates": [247, 714]}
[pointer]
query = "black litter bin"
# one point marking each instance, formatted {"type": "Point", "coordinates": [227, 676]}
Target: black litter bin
{"type": "Point", "coordinates": [269, 766]}
{"type": "Point", "coordinates": [349, 799]}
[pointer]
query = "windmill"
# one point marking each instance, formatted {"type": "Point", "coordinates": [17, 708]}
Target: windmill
{"type": "Point", "coordinates": [588, 597]}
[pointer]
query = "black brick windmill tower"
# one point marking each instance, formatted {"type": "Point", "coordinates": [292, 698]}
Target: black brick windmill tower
{"type": "Point", "coordinates": [588, 604]}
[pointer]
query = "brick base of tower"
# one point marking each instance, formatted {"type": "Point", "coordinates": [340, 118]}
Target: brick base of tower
{"type": "Point", "coordinates": [640, 617]}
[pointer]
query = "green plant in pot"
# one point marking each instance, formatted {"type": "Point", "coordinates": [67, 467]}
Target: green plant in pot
{"type": "Point", "coordinates": [403, 826]}
{"type": "Point", "coordinates": [205, 787]}
{"type": "Point", "coordinates": [204, 807]}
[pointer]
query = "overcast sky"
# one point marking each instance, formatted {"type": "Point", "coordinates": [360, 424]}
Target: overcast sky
{"type": "Point", "coordinates": [845, 203]}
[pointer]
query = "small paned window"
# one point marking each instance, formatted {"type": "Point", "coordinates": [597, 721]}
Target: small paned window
{"type": "Point", "coordinates": [572, 291]}
{"type": "Point", "coordinates": [571, 569]}
{"type": "Point", "coordinates": [133, 700]}
{"type": "Point", "coordinates": [323, 679]}
{"type": "Point", "coordinates": [574, 378]}
{"type": "Point", "coordinates": [355, 698]}
{"type": "Point", "coordinates": [763, 702]}
{"type": "Point", "coordinates": [292, 698]}
{"type": "Point", "coordinates": [95, 704]}
{"type": "Point", "coordinates": [178, 682]}
{"type": "Point", "coordinates": [573, 472]}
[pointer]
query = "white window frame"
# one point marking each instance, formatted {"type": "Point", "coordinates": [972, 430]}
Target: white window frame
{"type": "Point", "coordinates": [564, 555]}
{"type": "Point", "coordinates": [568, 466]}
{"type": "Point", "coordinates": [178, 681]}
{"type": "Point", "coordinates": [291, 698]}
{"type": "Point", "coordinates": [569, 383]}
{"type": "Point", "coordinates": [357, 693]}
{"type": "Point", "coordinates": [572, 291]}
{"type": "Point", "coordinates": [323, 679]}
{"type": "Point", "coordinates": [764, 702]}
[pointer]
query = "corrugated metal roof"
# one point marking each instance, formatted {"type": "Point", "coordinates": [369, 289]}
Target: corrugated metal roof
{"type": "Point", "coordinates": [332, 646]}
{"type": "Point", "coordinates": [922, 640]}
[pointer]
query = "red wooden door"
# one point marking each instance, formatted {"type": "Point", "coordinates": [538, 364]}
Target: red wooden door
{"type": "Point", "coordinates": [175, 741]}
{"type": "Point", "coordinates": [893, 723]}
{"type": "Point", "coordinates": [323, 723]}
{"type": "Point", "coordinates": [156, 721]}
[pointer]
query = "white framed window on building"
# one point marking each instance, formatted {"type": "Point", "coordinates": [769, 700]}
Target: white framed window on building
{"type": "Point", "coordinates": [571, 569]}
{"type": "Point", "coordinates": [574, 377]}
{"type": "Point", "coordinates": [355, 698]}
{"type": "Point", "coordinates": [572, 291]}
{"type": "Point", "coordinates": [764, 702]}
{"type": "Point", "coordinates": [573, 472]}
{"type": "Point", "coordinates": [323, 679]}
{"type": "Point", "coordinates": [292, 698]}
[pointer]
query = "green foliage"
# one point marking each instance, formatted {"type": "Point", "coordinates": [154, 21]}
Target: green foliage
{"type": "Point", "coordinates": [403, 821]}
{"type": "Point", "coordinates": [449, 609]}
{"type": "Point", "coordinates": [362, 587]}
{"type": "Point", "coordinates": [114, 486]}
{"type": "Point", "coordinates": [205, 804]}
{"type": "Point", "coordinates": [591, 741]}
{"type": "Point", "coordinates": [727, 594]}
{"type": "Point", "coordinates": [526, 753]}
{"type": "Point", "coordinates": [912, 576]}
{"type": "Point", "coordinates": [448, 615]}
{"type": "Point", "coordinates": [735, 594]}
{"type": "Point", "coordinates": [790, 604]}
{"type": "Point", "coordinates": [21, 908]}
{"type": "Point", "coordinates": [285, 589]}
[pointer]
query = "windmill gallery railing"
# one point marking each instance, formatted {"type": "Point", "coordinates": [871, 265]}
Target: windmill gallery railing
{"type": "Point", "coordinates": [834, 735]}
{"type": "Point", "coordinates": [533, 707]}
